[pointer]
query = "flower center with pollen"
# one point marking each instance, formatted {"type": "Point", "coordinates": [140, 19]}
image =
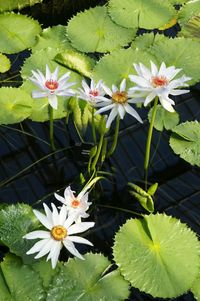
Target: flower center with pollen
{"type": "Point", "coordinates": [58, 232]}
{"type": "Point", "coordinates": [52, 85]}
{"type": "Point", "coordinates": [159, 81]}
{"type": "Point", "coordinates": [120, 97]}
{"type": "Point", "coordinates": [94, 93]}
{"type": "Point", "coordinates": [75, 203]}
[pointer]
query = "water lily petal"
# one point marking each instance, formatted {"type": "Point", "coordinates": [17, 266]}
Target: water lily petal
{"type": "Point", "coordinates": [53, 101]}
{"type": "Point", "coordinates": [37, 234]}
{"type": "Point", "coordinates": [79, 228]}
{"type": "Point", "coordinates": [80, 240]}
{"type": "Point", "coordinates": [71, 248]}
{"type": "Point", "coordinates": [43, 219]}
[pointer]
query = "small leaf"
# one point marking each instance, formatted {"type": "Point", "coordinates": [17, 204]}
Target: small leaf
{"type": "Point", "coordinates": [143, 197]}
{"type": "Point", "coordinates": [94, 31]}
{"type": "Point", "coordinates": [76, 61]}
{"type": "Point", "coordinates": [147, 14]}
{"type": "Point", "coordinates": [15, 222]}
{"type": "Point", "coordinates": [155, 246]}
{"type": "Point", "coordinates": [164, 119]}
{"type": "Point", "coordinates": [13, 37]}
{"type": "Point", "coordinates": [192, 28]}
{"type": "Point", "coordinates": [23, 283]}
{"type": "Point", "coordinates": [152, 189]}
{"type": "Point", "coordinates": [185, 141]}
{"type": "Point", "coordinates": [4, 63]}
{"type": "Point", "coordinates": [83, 280]}
{"type": "Point", "coordinates": [16, 105]}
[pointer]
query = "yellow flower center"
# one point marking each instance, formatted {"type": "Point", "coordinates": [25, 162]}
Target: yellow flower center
{"type": "Point", "coordinates": [120, 97]}
{"type": "Point", "coordinates": [59, 232]}
{"type": "Point", "coordinates": [159, 81]}
{"type": "Point", "coordinates": [75, 203]}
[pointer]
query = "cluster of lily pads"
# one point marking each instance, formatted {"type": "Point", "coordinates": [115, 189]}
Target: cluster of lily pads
{"type": "Point", "coordinates": [96, 63]}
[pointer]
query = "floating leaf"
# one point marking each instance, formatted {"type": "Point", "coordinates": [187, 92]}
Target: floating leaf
{"type": "Point", "coordinates": [21, 281]}
{"type": "Point", "coordinates": [192, 28]}
{"type": "Point", "coordinates": [9, 5]}
{"type": "Point", "coordinates": [38, 60]}
{"type": "Point", "coordinates": [15, 222]}
{"type": "Point", "coordinates": [147, 14]}
{"type": "Point", "coordinates": [84, 280]}
{"type": "Point", "coordinates": [185, 141]}
{"type": "Point", "coordinates": [94, 31]}
{"type": "Point", "coordinates": [16, 105]}
{"type": "Point", "coordinates": [76, 61]}
{"type": "Point", "coordinates": [4, 63]}
{"type": "Point", "coordinates": [176, 2]}
{"type": "Point", "coordinates": [45, 271]}
{"type": "Point", "coordinates": [113, 68]}
{"type": "Point", "coordinates": [147, 40]}
{"type": "Point", "coordinates": [187, 11]}
{"type": "Point", "coordinates": [164, 119]}
{"type": "Point", "coordinates": [17, 32]}
{"type": "Point", "coordinates": [53, 37]}
{"type": "Point", "coordinates": [196, 288]}
{"type": "Point", "coordinates": [180, 52]}
{"type": "Point", "coordinates": [155, 246]}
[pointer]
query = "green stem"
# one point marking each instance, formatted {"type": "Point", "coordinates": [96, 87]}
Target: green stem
{"type": "Point", "coordinates": [114, 144]}
{"type": "Point", "coordinates": [96, 158]}
{"type": "Point", "coordinates": [93, 127]}
{"type": "Point", "coordinates": [51, 132]}
{"type": "Point", "coordinates": [149, 138]}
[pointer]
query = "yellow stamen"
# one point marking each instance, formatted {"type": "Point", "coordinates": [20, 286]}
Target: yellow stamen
{"type": "Point", "coordinates": [120, 97]}
{"type": "Point", "coordinates": [59, 232]}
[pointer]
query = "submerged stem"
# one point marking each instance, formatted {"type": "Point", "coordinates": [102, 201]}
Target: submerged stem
{"type": "Point", "coordinates": [114, 144]}
{"type": "Point", "coordinates": [93, 128]}
{"type": "Point", "coordinates": [148, 145]}
{"type": "Point", "coordinates": [51, 129]}
{"type": "Point", "coordinates": [96, 158]}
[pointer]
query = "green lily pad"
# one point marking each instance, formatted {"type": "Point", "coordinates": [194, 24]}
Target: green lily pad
{"type": "Point", "coordinates": [19, 281]}
{"type": "Point", "coordinates": [38, 60]}
{"type": "Point", "coordinates": [84, 280]}
{"type": "Point", "coordinates": [164, 119]}
{"type": "Point", "coordinates": [94, 31]}
{"type": "Point", "coordinates": [15, 222]}
{"type": "Point", "coordinates": [146, 40]}
{"type": "Point", "coordinates": [155, 246]}
{"type": "Point", "coordinates": [16, 105]}
{"type": "Point", "coordinates": [113, 68]}
{"type": "Point", "coordinates": [9, 5]}
{"type": "Point", "coordinates": [17, 32]}
{"type": "Point", "coordinates": [4, 63]}
{"type": "Point", "coordinates": [196, 289]}
{"type": "Point", "coordinates": [76, 61]}
{"type": "Point", "coordinates": [180, 52]}
{"type": "Point", "coordinates": [53, 37]}
{"type": "Point", "coordinates": [185, 141]}
{"type": "Point", "coordinates": [188, 11]}
{"type": "Point", "coordinates": [192, 28]}
{"type": "Point", "coordinates": [147, 14]}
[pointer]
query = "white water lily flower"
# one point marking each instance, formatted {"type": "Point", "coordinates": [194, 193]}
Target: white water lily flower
{"type": "Point", "coordinates": [91, 93]}
{"type": "Point", "coordinates": [60, 232]}
{"type": "Point", "coordinates": [118, 102]}
{"type": "Point", "coordinates": [51, 86]}
{"type": "Point", "coordinates": [159, 83]}
{"type": "Point", "coordinates": [76, 205]}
